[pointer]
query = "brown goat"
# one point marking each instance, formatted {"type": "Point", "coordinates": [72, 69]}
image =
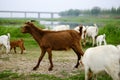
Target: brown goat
{"type": "Point", "coordinates": [54, 40]}
{"type": "Point", "coordinates": [17, 43]}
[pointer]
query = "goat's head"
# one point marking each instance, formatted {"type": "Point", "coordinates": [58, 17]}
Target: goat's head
{"type": "Point", "coordinates": [26, 28]}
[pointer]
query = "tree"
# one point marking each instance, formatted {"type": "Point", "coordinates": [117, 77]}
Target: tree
{"type": "Point", "coordinates": [118, 10]}
{"type": "Point", "coordinates": [113, 10]}
{"type": "Point", "coordinates": [95, 11]}
{"type": "Point", "coordinates": [70, 12]}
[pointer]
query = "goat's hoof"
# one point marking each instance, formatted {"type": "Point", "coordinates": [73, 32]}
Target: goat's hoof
{"type": "Point", "coordinates": [35, 68]}
{"type": "Point", "coordinates": [50, 69]}
{"type": "Point", "coordinates": [76, 67]}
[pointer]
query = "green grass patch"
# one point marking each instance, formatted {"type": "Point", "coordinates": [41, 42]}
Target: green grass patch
{"type": "Point", "coordinates": [112, 31]}
{"type": "Point", "coordinates": [9, 75]}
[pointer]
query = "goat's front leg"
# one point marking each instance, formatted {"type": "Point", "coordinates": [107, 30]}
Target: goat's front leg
{"type": "Point", "coordinates": [93, 38]}
{"type": "Point", "coordinates": [50, 59]}
{"type": "Point", "coordinates": [40, 59]}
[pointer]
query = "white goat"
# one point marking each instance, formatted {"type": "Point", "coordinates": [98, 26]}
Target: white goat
{"type": "Point", "coordinates": [102, 58]}
{"type": "Point", "coordinates": [92, 31]}
{"type": "Point", "coordinates": [100, 39]}
{"type": "Point", "coordinates": [61, 27]}
{"type": "Point", "coordinates": [5, 41]}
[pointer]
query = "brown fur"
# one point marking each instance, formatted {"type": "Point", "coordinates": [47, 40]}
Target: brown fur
{"type": "Point", "coordinates": [54, 40]}
{"type": "Point", "coordinates": [17, 43]}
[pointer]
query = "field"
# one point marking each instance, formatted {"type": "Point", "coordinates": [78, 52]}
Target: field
{"type": "Point", "coordinates": [19, 67]}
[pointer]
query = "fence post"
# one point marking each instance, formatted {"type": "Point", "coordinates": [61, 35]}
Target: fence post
{"type": "Point", "coordinates": [38, 15]}
{"type": "Point", "coordinates": [11, 14]}
{"type": "Point", "coordinates": [25, 15]}
{"type": "Point", "coordinates": [52, 15]}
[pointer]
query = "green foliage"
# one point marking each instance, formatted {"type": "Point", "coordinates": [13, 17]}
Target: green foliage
{"type": "Point", "coordinates": [70, 12]}
{"type": "Point", "coordinates": [13, 26]}
{"type": "Point", "coordinates": [95, 11]}
{"type": "Point", "coordinates": [12, 21]}
{"type": "Point", "coordinates": [14, 31]}
{"type": "Point", "coordinates": [112, 32]}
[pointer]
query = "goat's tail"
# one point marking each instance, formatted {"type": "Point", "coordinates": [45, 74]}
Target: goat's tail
{"type": "Point", "coordinates": [80, 29]}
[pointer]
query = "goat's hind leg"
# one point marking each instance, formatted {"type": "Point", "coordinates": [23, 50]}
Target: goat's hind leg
{"type": "Point", "coordinates": [50, 59]}
{"type": "Point", "coordinates": [78, 52]}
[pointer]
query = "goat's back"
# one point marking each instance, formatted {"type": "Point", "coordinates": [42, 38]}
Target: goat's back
{"type": "Point", "coordinates": [60, 39]}
{"type": "Point", "coordinates": [92, 31]}
{"type": "Point", "coordinates": [100, 54]}
{"type": "Point", "coordinates": [16, 43]}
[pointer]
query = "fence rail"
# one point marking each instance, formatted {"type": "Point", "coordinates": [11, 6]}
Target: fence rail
{"type": "Point", "coordinates": [25, 13]}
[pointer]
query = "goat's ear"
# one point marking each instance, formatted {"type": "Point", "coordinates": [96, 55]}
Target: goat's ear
{"type": "Point", "coordinates": [29, 23]}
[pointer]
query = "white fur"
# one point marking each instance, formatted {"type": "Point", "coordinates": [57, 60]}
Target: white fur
{"type": "Point", "coordinates": [5, 41]}
{"type": "Point", "coordinates": [92, 31]}
{"type": "Point", "coordinates": [61, 27]}
{"type": "Point", "coordinates": [118, 46]}
{"type": "Point", "coordinates": [83, 29]}
{"type": "Point", "coordinates": [102, 58]}
{"type": "Point", "coordinates": [100, 39]}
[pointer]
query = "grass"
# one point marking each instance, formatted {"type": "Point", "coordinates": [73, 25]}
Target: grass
{"type": "Point", "coordinates": [112, 31]}
{"type": "Point", "coordinates": [9, 75]}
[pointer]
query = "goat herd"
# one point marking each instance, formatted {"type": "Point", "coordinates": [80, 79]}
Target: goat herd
{"type": "Point", "coordinates": [95, 59]}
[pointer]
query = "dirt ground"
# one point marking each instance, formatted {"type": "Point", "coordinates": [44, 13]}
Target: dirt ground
{"type": "Point", "coordinates": [64, 62]}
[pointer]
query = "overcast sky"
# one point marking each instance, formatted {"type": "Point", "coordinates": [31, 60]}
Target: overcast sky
{"type": "Point", "coordinates": [55, 5]}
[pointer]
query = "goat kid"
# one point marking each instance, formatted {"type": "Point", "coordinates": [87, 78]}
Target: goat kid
{"type": "Point", "coordinates": [100, 39]}
{"type": "Point", "coordinates": [17, 43]}
{"type": "Point", "coordinates": [54, 40]}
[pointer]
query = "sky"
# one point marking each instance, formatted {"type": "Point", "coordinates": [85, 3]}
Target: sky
{"type": "Point", "coordinates": [55, 5]}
